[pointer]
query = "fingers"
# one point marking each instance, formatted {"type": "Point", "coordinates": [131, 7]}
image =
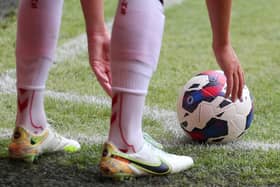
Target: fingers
{"type": "Point", "coordinates": [109, 76]}
{"type": "Point", "coordinates": [106, 58]}
{"type": "Point", "coordinates": [235, 83]}
{"type": "Point", "coordinates": [241, 82]}
{"type": "Point", "coordinates": [229, 84]}
{"type": "Point", "coordinates": [238, 84]}
{"type": "Point", "coordinates": [107, 87]}
{"type": "Point", "coordinates": [229, 63]}
{"type": "Point", "coordinates": [99, 50]}
{"type": "Point", "coordinates": [235, 87]}
{"type": "Point", "coordinates": [103, 75]}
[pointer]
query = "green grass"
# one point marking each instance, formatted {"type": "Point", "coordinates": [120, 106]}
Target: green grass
{"type": "Point", "coordinates": [186, 51]}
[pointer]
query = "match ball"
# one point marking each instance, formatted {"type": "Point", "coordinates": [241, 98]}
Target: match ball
{"type": "Point", "coordinates": [207, 116]}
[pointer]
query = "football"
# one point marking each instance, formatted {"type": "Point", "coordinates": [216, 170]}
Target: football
{"type": "Point", "coordinates": [207, 116]}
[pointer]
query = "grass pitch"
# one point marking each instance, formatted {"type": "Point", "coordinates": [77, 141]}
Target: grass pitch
{"type": "Point", "coordinates": [186, 50]}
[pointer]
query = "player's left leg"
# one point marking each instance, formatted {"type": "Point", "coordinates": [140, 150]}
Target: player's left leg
{"type": "Point", "coordinates": [135, 48]}
{"type": "Point", "coordinates": [37, 34]}
{"type": "Point", "coordinates": [134, 57]}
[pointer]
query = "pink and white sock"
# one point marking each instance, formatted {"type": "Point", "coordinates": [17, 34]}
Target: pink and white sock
{"type": "Point", "coordinates": [129, 93]}
{"type": "Point", "coordinates": [135, 47]}
{"type": "Point", "coordinates": [126, 121]}
{"type": "Point", "coordinates": [37, 35]}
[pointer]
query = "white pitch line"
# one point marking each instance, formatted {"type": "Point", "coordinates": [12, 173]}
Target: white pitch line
{"type": "Point", "coordinates": [239, 145]}
{"type": "Point", "coordinates": [252, 145]}
{"type": "Point", "coordinates": [75, 46]}
{"type": "Point", "coordinates": [166, 117]}
{"type": "Point", "coordinates": [7, 82]}
{"type": "Point", "coordinates": [72, 48]}
{"type": "Point", "coordinates": [5, 133]}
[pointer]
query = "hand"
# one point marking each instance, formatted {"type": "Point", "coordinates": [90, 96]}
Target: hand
{"type": "Point", "coordinates": [99, 49]}
{"type": "Point", "coordinates": [229, 63]}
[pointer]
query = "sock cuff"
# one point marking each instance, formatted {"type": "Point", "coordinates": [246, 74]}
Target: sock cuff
{"type": "Point", "coordinates": [32, 73]}
{"type": "Point", "coordinates": [131, 77]}
{"type": "Point", "coordinates": [30, 87]}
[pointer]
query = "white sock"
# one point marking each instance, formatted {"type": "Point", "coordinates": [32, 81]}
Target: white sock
{"type": "Point", "coordinates": [126, 121]}
{"type": "Point", "coordinates": [129, 93]}
{"type": "Point", "coordinates": [135, 48]}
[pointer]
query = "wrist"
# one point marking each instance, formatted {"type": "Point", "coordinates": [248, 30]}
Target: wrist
{"type": "Point", "coordinates": [97, 28]}
{"type": "Point", "coordinates": [219, 46]}
{"type": "Point", "coordinates": [220, 42]}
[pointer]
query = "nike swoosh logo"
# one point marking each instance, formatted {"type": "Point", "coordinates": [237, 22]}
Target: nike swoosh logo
{"type": "Point", "coordinates": [160, 169]}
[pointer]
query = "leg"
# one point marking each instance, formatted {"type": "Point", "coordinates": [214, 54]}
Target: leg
{"type": "Point", "coordinates": [38, 28]}
{"type": "Point", "coordinates": [132, 66]}
{"type": "Point", "coordinates": [37, 34]}
{"type": "Point", "coordinates": [135, 48]}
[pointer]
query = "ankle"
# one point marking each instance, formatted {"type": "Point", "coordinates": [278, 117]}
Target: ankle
{"type": "Point", "coordinates": [31, 114]}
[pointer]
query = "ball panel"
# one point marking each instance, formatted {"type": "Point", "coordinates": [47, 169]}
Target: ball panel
{"type": "Point", "coordinates": [216, 84]}
{"type": "Point", "coordinates": [249, 118]}
{"type": "Point", "coordinates": [201, 81]}
{"type": "Point", "coordinates": [224, 103]}
{"type": "Point", "coordinates": [191, 100]}
{"type": "Point", "coordinates": [215, 128]}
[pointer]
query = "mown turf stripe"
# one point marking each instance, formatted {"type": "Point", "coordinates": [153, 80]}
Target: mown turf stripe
{"type": "Point", "coordinates": [5, 133]}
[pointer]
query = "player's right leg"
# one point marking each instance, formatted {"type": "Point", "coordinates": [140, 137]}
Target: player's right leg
{"type": "Point", "coordinates": [37, 34]}
{"type": "Point", "coordinates": [135, 48]}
